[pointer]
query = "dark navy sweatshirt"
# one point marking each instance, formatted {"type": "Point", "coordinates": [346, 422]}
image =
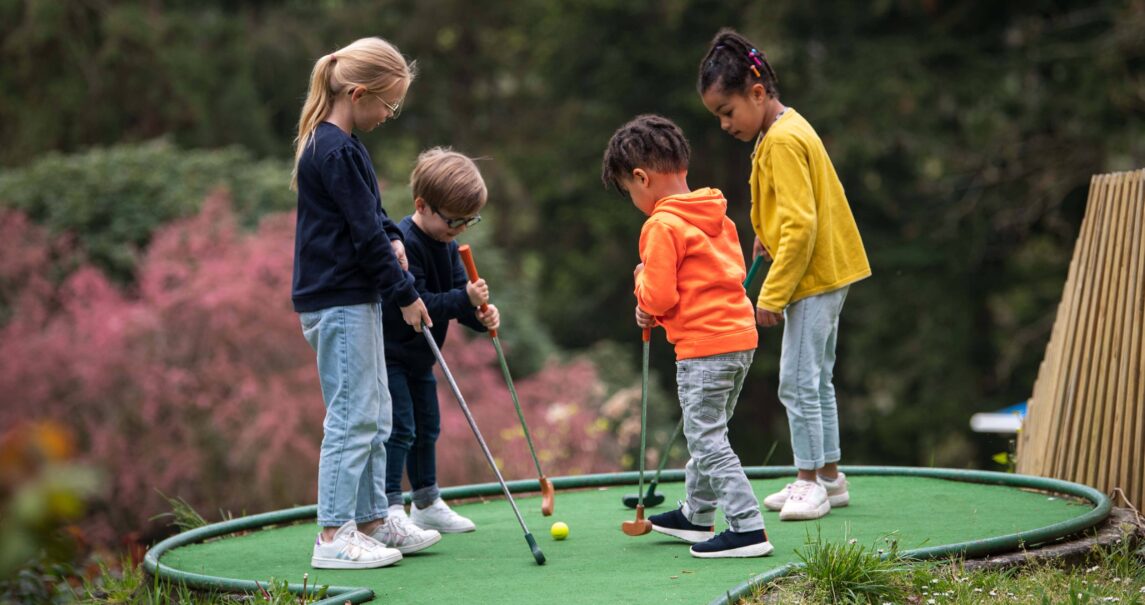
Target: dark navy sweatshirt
{"type": "Point", "coordinates": [342, 251]}
{"type": "Point", "coordinates": [440, 279]}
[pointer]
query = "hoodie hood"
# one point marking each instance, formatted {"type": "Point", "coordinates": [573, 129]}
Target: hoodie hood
{"type": "Point", "coordinates": [703, 208]}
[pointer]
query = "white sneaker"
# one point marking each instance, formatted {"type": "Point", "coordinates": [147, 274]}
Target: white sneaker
{"type": "Point", "coordinates": [805, 501]}
{"type": "Point", "coordinates": [400, 533]}
{"type": "Point", "coordinates": [837, 494]}
{"type": "Point", "coordinates": [351, 549]}
{"type": "Point", "coordinates": [440, 517]}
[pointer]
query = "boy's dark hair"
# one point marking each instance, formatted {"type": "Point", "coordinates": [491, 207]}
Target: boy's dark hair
{"type": "Point", "coordinates": [733, 64]}
{"type": "Point", "coordinates": [649, 141]}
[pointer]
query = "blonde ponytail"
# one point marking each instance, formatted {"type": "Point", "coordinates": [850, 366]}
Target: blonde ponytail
{"type": "Point", "coordinates": [372, 63]}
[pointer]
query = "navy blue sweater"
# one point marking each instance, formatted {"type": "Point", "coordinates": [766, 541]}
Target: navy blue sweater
{"type": "Point", "coordinates": [342, 253]}
{"type": "Point", "coordinates": [440, 279]}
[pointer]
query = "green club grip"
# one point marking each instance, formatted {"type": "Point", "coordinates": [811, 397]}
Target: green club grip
{"type": "Point", "coordinates": [755, 265]}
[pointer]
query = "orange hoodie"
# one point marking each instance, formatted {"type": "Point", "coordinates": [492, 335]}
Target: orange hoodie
{"type": "Point", "coordinates": [693, 275]}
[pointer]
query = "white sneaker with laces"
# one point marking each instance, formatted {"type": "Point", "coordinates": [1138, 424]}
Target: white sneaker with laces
{"type": "Point", "coordinates": [807, 500]}
{"type": "Point", "coordinates": [400, 533]}
{"type": "Point", "coordinates": [837, 494]}
{"type": "Point", "coordinates": [351, 549]}
{"type": "Point", "coordinates": [440, 517]}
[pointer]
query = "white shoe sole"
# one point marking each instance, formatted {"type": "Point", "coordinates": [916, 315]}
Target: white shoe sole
{"type": "Point", "coordinates": [755, 550]}
{"type": "Point", "coordinates": [806, 514]}
{"type": "Point", "coordinates": [420, 546]}
{"type": "Point", "coordinates": [837, 501]}
{"type": "Point", "coordinates": [456, 529]}
{"type": "Point", "coordinates": [324, 563]}
{"type": "Point", "coordinates": [687, 535]}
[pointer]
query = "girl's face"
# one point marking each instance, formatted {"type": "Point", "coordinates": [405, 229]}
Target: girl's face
{"type": "Point", "coordinates": [371, 109]}
{"type": "Point", "coordinates": [740, 113]}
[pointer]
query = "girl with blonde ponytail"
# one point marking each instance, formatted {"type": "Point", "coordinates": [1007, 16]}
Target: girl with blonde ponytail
{"type": "Point", "coordinates": [349, 259]}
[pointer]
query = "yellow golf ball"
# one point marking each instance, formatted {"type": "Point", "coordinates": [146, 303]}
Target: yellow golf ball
{"type": "Point", "coordinates": [559, 530]}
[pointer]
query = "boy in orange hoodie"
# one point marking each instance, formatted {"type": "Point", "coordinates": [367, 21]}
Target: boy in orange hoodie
{"type": "Point", "coordinates": [690, 280]}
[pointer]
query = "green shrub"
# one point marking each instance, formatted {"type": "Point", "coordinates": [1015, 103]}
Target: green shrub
{"type": "Point", "coordinates": [112, 199]}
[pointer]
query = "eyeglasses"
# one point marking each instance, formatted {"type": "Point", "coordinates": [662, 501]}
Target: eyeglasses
{"type": "Point", "coordinates": [454, 223]}
{"type": "Point", "coordinates": [394, 108]}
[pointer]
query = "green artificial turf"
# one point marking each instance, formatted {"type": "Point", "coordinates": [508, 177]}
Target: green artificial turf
{"type": "Point", "coordinates": [600, 564]}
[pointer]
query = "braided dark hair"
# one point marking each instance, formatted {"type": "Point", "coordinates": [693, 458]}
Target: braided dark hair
{"type": "Point", "coordinates": [648, 141]}
{"type": "Point", "coordinates": [733, 64]}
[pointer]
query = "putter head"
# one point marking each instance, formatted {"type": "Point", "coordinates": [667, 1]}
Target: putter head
{"type": "Point", "coordinates": [640, 526]}
{"type": "Point", "coordinates": [546, 496]}
{"type": "Point", "coordinates": [650, 500]}
{"type": "Point", "coordinates": [537, 554]}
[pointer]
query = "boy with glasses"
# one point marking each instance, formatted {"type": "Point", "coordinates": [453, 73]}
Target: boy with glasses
{"type": "Point", "coordinates": [448, 193]}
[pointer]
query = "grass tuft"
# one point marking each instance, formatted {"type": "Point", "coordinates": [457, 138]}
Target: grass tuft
{"type": "Point", "coordinates": [849, 572]}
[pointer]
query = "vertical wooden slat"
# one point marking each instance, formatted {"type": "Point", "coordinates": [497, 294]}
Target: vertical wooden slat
{"type": "Point", "coordinates": [1135, 398]}
{"type": "Point", "coordinates": [1100, 433]}
{"type": "Point", "coordinates": [1081, 360]}
{"type": "Point", "coordinates": [1120, 421]}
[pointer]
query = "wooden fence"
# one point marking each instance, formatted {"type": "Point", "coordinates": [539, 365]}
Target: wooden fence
{"type": "Point", "coordinates": [1086, 419]}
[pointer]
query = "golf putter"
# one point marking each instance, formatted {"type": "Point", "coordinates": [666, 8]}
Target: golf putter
{"type": "Point", "coordinates": [547, 492]}
{"type": "Point", "coordinates": [652, 498]}
{"type": "Point", "coordinates": [641, 526]}
{"type": "Point", "coordinates": [538, 556]}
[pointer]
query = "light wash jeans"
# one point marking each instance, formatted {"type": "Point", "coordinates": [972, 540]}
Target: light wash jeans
{"type": "Point", "coordinates": [708, 389]}
{"type": "Point", "coordinates": [806, 367]}
{"type": "Point", "coordinates": [352, 369]}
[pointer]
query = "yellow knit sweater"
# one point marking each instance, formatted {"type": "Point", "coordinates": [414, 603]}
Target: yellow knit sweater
{"type": "Point", "coordinates": [801, 215]}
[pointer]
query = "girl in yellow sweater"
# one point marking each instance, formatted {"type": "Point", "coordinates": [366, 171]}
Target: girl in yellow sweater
{"type": "Point", "coordinates": [801, 220]}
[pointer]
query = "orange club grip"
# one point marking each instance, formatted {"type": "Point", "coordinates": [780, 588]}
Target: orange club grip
{"type": "Point", "coordinates": [647, 334]}
{"type": "Point", "coordinates": [471, 270]}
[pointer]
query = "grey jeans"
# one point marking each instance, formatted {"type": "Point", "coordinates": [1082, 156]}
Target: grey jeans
{"type": "Point", "coordinates": [708, 389]}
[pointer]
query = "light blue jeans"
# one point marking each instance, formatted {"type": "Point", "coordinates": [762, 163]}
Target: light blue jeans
{"type": "Point", "coordinates": [352, 369]}
{"type": "Point", "coordinates": [709, 388]}
{"type": "Point", "coordinates": [806, 367]}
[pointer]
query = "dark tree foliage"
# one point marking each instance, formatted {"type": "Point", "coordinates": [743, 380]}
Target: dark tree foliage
{"type": "Point", "coordinates": [965, 133]}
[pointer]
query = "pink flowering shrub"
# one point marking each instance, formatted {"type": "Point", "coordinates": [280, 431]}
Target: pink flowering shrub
{"type": "Point", "coordinates": [197, 383]}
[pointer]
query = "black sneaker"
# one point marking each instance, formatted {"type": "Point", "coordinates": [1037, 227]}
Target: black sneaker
{"type": "Point", "coordinates": [734, 544]}
{"type": "Point", "coordinates": [675, 524]}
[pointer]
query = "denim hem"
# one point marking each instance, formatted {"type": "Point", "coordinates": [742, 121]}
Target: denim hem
{"type": "Point", "coordinates": [753, 524]}
{"type": "Point", "coordinates": [809, 465]}
{"type": "Point", "coordinates": [425, 496]}
{"type": "Point", "coordinates": [372, 517]}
